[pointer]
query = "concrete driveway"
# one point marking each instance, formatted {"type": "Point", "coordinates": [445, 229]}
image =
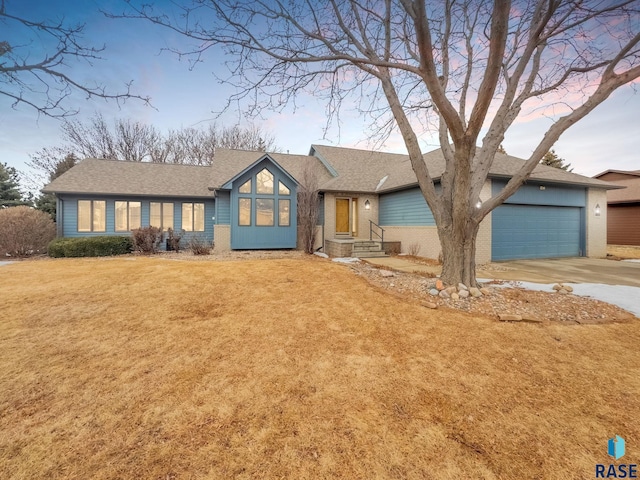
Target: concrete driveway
{"type": "Point", "coordinates": [570, 270]}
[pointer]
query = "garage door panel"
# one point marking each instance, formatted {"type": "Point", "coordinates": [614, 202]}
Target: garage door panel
{"type": "Point", "coordinates": [534, 231]}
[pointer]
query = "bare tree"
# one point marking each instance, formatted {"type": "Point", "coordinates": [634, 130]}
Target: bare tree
{"type": "Point", "coordinates": [463, 66]}
{"type": "Point", "coordinates": [35, 60]}
{"type": "Point", "coordinates": [308, 208]}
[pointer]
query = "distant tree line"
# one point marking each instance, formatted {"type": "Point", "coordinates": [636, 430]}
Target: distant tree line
{"type": "Point", "coordinates": [131, 141]}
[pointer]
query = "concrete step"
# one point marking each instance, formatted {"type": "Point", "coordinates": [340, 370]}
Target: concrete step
{"type": "Point", "coordinates": [369, 254]}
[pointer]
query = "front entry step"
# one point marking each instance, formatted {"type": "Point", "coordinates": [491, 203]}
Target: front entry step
{"type": "Point", "coordinates": [367, 249]}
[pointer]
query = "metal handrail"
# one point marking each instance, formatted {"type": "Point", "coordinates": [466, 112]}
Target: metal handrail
{"type": "Point", "coordinates": [372, 232]}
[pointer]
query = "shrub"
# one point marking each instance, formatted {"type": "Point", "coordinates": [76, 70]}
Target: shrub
{"type": "Point", "coordinates": [199, 246]}
{"type": "Point", "coordinates": [414, 249]}
{"type": "Point", "coordinates": [25, 231]}
{"type": "Point", "coordinates": [147, 239]}
{"type": "Point", "coordinates": [102, 246]}
{"type": "Point", "coordinates": [173, 240]}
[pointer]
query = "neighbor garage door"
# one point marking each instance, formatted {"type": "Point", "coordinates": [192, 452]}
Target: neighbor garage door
{"type": "Point", "coordinates": [623, 224]}
{"type": "Point", "coordinates": [535, 231]}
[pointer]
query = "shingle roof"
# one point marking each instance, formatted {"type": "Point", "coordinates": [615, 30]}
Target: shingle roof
{"type": "Point", "coordinates": [228, 163]}
{"type": "Point", "coordinates": [363, 171]}
{"type": "Point", "coordinates": [134, 178]}
{"type": "Point", "coordinates": [339, 169]}
{"type": "Point", "coordinates": [628, 180]}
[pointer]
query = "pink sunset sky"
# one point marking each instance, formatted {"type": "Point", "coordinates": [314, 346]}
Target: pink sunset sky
{"type": "Point", "coordinates": [609, 138]}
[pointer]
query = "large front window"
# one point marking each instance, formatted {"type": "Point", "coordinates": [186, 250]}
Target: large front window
{"type": "Point", "coordinates": [270, 201]}
{"type": "Point", "coordinates": [127, 216]}
{"type": "Point", "coordinates": [193, 217]}
{"type": "Point", "coordinates": [92, 215]}
{"type": "Point", "coordinates": [161, 215]}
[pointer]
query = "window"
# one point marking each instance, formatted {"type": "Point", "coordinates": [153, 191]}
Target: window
{"type": "Point", "coordinates": [284, 207]}
{"type": "Point", "coordinates": [264, 182]}
{"type": "Point", "coordinates": [127, 216]}
{"type": "Point", "coordinates": [92, 215]}
{"type": "Point", "coordinates": [245, 187]}
{"type": "Point", "coordinates": [193, 217]}
{"type": "Point", "coordinates": [283, 189]}
{"type": "Point", "coordinates": [244, 212]}
{"type": "Point", "coordinates": [161, 215]}
{"type": "Point", "coordinates": [264, 212]}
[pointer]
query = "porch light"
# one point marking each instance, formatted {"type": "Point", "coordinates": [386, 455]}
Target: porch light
{"type": "Point", "coordinates": [367, 205]}
{"type": "Point", "coordinates": [597, 210]}
{"type": "Point", "coordinates": [479, 204]}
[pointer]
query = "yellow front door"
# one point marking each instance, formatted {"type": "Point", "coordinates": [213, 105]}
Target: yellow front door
{"type": "Point", "coordinates": [342, 216]}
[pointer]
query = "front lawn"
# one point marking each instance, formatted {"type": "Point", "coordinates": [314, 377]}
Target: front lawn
{"type": "Point", "coordinates": [162, 369]}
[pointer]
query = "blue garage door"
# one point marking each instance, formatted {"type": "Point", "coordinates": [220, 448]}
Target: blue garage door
{"type": "Point", "coordinates": [533, 231]}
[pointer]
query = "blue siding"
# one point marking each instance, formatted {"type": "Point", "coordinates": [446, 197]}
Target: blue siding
{"type": "Point", "coordinates": [406, 207]}
{"type": "Point", "coordinates": [530, 231]}
{"type": "Point", "coordinates": [254, 237]}
{"type": "Point", "coordinates": [530, 194]}
{"type": "Point", "coordinates": [69, 214]}
{"type": "Point", "coordinates": [223, 200]}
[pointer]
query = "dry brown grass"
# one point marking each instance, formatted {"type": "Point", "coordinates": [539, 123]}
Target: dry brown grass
{"type": "Point", "coordinates": [624, 251]}
{"type": "Point", "coordinates": [152, 368]}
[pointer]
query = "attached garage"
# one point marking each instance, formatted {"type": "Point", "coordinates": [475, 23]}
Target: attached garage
{"type": "Point", "coordinates": [539, 221]}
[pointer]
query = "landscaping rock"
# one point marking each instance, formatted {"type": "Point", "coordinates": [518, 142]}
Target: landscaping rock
{"type": "Point", "coordinates": [509, 317]}
{"type": "Point", "coordinates": [462, 286]}
{"type": "Point", "coordinates": [387, 273]}
{"type": "Point", "coordinates": [451, 290]}
{"type": "Point", "coordinates": [463, 293]}
{"type": "Point", "coordinates": [475, 292]}
{"type": "Point", "coordinates": [568, 288]}
{"type": "Point", "coordinates": [430, 305]}
{"type": "Point", "coordinates": [485, 291]}
{"type": "Point", "coordinates": [562, 291]}
{"type": "Point", "coordinates": [455, 296]}
{"type": "Point", "coordinates": [439, 284]}
{"type": "Point", "coordinates": [444, 294]}
{"type": "Point", "coordinates": [557, 287]}
{"type": "Point", "coordinates": [434, 292]}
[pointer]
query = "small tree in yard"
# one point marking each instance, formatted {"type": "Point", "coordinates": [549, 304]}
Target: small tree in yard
{"type": "Point", "coordinates": [25, 231]}
{"type": "Point", "coordinates": [308, 208]}
{"type": "Point", "coordinates": [466, 69]}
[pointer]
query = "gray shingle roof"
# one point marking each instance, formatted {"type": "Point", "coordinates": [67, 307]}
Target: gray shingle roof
{"type": "Point", "coordinates": [228, 163]}
{"type": "Point", "coordinates": [357, 171]}
{"type": "Point", "coordinates": [362, 171]}
{"type": "Point", "coordinates": [114, 177]}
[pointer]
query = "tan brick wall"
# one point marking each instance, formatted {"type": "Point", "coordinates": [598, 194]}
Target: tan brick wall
{"type": "Point", "coordinates": [222, 237]}
{"type": "Point", "coordinates": [596, 227]}
{"type": "Point", "coordinates": [363, 215]}
{"type": "Point", "coordinates": [339, 248]}
{"type": "Point", "coordinates": [425, 237]}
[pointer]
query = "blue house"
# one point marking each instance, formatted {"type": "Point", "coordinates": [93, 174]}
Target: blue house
{"type": "Point", "coordinates": [248, 200]}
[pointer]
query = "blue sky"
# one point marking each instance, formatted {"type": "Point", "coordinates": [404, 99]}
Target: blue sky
{"type": "Point", "coordinates": [609, 138]}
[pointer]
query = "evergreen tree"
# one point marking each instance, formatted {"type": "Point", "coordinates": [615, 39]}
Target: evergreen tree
{"type": "Point", "coordinates": [10, 195]}
{"type": "Point", "coordinates": [47, 201]}
{"type": "Point", "coordinates": [552, 159]}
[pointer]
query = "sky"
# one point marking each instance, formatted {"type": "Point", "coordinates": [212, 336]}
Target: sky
{"type": "Point", "coordinates": [609, 138]}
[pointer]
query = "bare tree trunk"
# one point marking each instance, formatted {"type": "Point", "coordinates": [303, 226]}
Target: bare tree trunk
{"type": "Point", "coordinates": [459, 252]}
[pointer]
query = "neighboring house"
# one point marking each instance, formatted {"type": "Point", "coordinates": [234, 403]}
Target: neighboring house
{"type": "Point", "coordinates": [247, 200]}
{"type": "Point", "coordinates": [623, 207]}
